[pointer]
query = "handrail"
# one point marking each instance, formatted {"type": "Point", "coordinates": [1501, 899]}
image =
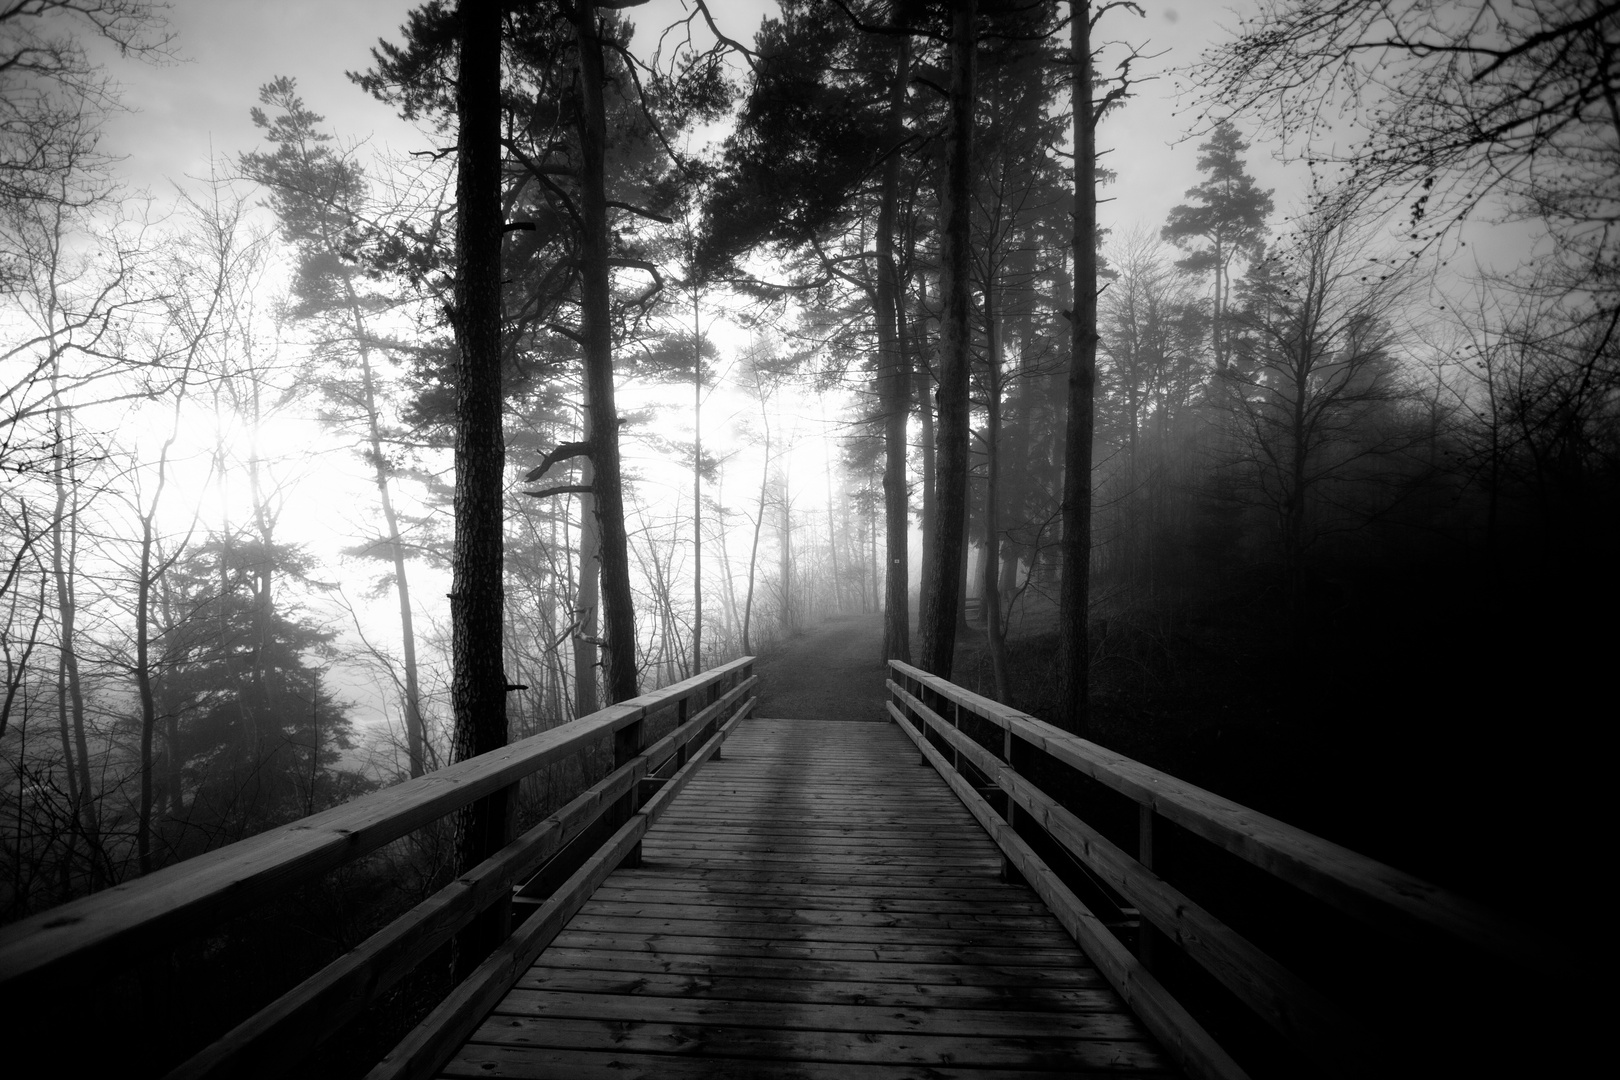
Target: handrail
{"type": "Point", "coordinates": [130, 921]}
{"type": "Point", "coordinates": [1373, 892]}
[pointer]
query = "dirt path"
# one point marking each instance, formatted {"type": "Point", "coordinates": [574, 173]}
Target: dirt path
{"type": "Point", "coordinates": [833, 671]}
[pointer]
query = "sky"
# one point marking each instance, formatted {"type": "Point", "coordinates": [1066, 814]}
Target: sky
{"type": "Point", "coordinates": [186, 113]}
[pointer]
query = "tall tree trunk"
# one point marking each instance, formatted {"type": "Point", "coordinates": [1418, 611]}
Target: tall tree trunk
{"type": "Point", "coordinates": [587, 597]}
{"type": "Point", "coordinates": [990, 584]}
{"type": "Point", "coordinates": [1074, 596]}
{"type": "Point", "coordinates": [70, 691]}
{"type": "Point", "coordinates": [925, 413]}
{"type": "Point", "coordinates": [939, 613]}
{"type": "Point", "coordinates": [697, 483]}
{"type": "Point", "coordinates": [618, 606]}
{"type": "Point", "coordinates": [759, 523]}
{"type": "Point", "coordinates": [832, 524]}
{"type": "Point", "coordinates": [895, 380]}
{"type": "Point", "coordinates": [414, 728]}
{"type": "Point", "coordinates": [784, 553]}
{"type": "Point", "coordinates": [477, 593]}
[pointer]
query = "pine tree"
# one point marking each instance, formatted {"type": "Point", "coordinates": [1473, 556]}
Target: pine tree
{"type": "Point", "coordinates": [1227, 222]}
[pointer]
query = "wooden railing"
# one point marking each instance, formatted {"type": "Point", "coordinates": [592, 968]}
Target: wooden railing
{"type": "Point", "coordinates": [46, 961]}
{"type": "Point", "coordinates": [987, 751]}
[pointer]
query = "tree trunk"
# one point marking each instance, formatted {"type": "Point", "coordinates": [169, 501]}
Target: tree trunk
{"type": "Point", "coordinates": [939, 614]}
{"type": "Point", "coordinates": [587, 597]}
{"type": "Point", "coordinates": [925, 411]}
{"type": "Point", "coordinates": [990, 583]}
{"type": "Point", "coordinates": [618, 606]}
{"type": "Point", "coordinates": [414, 728]}
{"type": "Point", "coordinates": [697, 484]}
{"type": "Point", "coordinates": [895, 380]}
{"type": "Point", "coordinates": [753, 551]}
{"type": "Point", "coordinates": [1074, 597]}
{"type": "Point", "coordinates": [477, 596]}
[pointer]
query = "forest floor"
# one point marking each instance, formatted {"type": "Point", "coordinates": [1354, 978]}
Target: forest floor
{"type": "Point", "coordinates": [830, 671]}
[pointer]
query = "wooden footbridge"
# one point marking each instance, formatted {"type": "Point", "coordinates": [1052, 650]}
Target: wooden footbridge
{"type": "Point", "coordinates": [963, 891]}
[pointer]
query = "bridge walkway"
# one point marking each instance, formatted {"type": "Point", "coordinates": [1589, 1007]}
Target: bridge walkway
{"type": "Point", "coordinates": [814, 905]}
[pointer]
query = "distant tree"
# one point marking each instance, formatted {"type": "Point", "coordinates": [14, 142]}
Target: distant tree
{"type": "Point", "coordinates": [1228, 218]}
{"type": "Point", "coordinates": [259, 734]}
{"type": "Point", "coordinates": [1313, 377]}
{"type": "Point", "coordinates": [320, 196]}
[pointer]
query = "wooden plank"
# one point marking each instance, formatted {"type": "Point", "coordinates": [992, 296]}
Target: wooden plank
{"type": "Point", "coordinates": [1077, 973]}
{"type": "Point", "coordinates": [1189, 1044]}
{"type": "Point", "coordinates": [767, 1046]}
{"type": "Point", "coordinates": [531, 1063]}
{"type": "Point", "coordinates": [1365, 888]}
{"type": "Point", "coordinates": [548, 1004]}
{"type": "Point", "coordinates": [894, 994]}
{"type": "Point", "coordinates": [838, 916]}
{"type": "Point", "coordinates": [672, 890]}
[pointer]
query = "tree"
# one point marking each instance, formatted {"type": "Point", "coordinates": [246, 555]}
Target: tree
{"type": "Point", "coordinates": [258, 733]}
{"type": "Point", "coordinates": [942, 589]}
{"type": "Point", "coordinates": [477, 592]}
{"type": "Point", "coordinates": [320, 195]}
{"type": "Point", "coordinates": [1457, 101]}
{"type": "Point", "coordinates": [1074, 597]}
{"type": "Point", "coordinates": [1312, 371]}
{"type": "Point", "coordinates": [596, 335]}
{"type": "Point", "coordinates": [1229, 218]}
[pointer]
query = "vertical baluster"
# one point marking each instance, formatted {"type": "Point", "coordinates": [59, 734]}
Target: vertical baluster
{"type": "Point", "coordinates": [1144, 855]}
{"type": "Point", "coordinates": [627, 743]}
{"type": "Point", "coordinates": [1007, 871]}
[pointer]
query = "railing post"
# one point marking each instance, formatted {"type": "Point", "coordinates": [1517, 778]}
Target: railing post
{"type": "Point", "coordinates": [627, 743]}
{"type": "Point", "coordinates": [1007, 871]}
{"type": "Point", "coordinates": [681, 714]}
{"type": "Point", "coordinates": [1144, 855]}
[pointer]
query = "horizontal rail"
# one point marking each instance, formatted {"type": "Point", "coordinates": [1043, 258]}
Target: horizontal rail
{"type": "Point", "coordinates": [1193, 1048]}
{"type": "Point", "coordinates": [93, 935]}
{"type": "Point", "coordinates": [274, 1039]}
{"type": "Point", "coordinates": [423, 1052]}
{"type": "Point", "coordinates": [1374, 892]}
{"type": "Point", "coordinates": [1380, 895]}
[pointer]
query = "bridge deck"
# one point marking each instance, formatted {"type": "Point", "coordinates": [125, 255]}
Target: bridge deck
{"type": "Point", "coordinates": [814, 905]}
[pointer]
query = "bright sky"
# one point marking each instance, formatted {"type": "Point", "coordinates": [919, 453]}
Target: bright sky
{"type": "Point", "coordinates": [189, 111]}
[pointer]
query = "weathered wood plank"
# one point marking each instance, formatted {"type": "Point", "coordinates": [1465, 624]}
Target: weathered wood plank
{"type": "Point", "coordinates": [770, 1045]}
{"type": "Point", "coordinates": [817, 1016]}
{"type": "Point", "coordinates": [1066, 976]}
{"type": "Point", "coordinates": [600, 979]}
{"type": "Point", "coordinates": [537, 1063]}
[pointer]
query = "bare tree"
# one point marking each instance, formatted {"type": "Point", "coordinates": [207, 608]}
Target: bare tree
{"type": "Point", "coordinates": [1312, 367]}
